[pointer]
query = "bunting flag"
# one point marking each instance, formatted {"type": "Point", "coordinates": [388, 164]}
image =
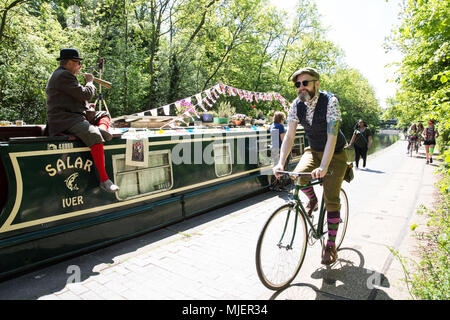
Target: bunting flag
{"type": "Point", "coordinates": [199, 99]}
{"type": "Point", "coordinates": [230, 91]}
{"type": "Point", "coordinates": [240, 93]}
{"type": "Point", "coordinates": [223, 88]}
{"type": "Point", "coordinates": [167, 110]}
{"type": "Point", "coordinates": [187, 108]}
{"type": "Point", "coordinates": [219, 89]}
{"type": "Point", "coordinates": [208, 94]}
{"type": "Point", "coordinates": [205, 100]}
{"type": "Point", "coordinates": [215, 93]}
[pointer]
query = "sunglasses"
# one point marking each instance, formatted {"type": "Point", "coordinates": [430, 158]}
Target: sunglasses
{"type": "Point", "coordinates": [79, 61]}
{"type": "Point", "coordinates": [304, 83]}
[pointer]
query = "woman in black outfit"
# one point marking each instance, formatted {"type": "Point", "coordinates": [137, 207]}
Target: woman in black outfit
{"type": "Point", "coordinates": [362, 140]}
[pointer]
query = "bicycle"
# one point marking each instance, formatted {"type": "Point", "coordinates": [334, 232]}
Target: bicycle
{"type": "Point", "coordinates": [411, 146]}
{"type": "Point", "coordinates": [283, 240]}
{"type": "Point", "coordinates": [417, 145]}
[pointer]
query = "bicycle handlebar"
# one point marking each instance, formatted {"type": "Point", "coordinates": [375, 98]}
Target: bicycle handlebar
{"type": "Point", "coordinates": [303, 174]}
{"type": "Point", "coordinates": [292, 173]}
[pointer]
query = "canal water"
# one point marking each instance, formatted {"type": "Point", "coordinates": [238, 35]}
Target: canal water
{"type": "Point", "coordinates": [380, 140]}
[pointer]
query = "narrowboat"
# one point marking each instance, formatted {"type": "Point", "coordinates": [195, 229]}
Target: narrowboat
{"type": "Point", "coordinates": [51, 206]}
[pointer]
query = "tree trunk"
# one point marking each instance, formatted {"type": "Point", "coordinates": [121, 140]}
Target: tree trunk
{"type": "Point", "coordinates": [5, 13]}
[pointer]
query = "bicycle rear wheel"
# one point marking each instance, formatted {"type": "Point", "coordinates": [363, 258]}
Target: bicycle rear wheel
{"type": "Point", "coordinates": [281, 248]}
{"type": "Point", "coordinates": [343, 213]}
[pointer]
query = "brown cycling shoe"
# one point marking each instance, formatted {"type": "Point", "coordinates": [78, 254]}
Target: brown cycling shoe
{"type": "Point", "coordinates": [312, 206]}
{"type": "Point", "coordinates": [329, 255]}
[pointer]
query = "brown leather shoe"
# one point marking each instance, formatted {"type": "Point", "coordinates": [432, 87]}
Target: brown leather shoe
{"type": "Point", "coordinates": [329, 255]}
{"type": "Point", "coordinates": [312, 205]}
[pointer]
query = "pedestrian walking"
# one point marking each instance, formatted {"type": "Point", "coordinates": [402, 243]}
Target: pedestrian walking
{"type": "Point", "coordinates": [429, 135]}
{"type": "Point", "coordinates": [361, 140]}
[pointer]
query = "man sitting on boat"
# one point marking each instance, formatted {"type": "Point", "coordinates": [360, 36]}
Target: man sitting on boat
{"type": "Point", "coordinates": [69, 112]}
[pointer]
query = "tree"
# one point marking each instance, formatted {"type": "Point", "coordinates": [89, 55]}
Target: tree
{"type": "Point", "coordinates": [424, 39]}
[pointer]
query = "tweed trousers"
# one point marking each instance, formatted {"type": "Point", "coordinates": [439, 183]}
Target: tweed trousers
{"type": "Point", "coordinates": [310, 160]}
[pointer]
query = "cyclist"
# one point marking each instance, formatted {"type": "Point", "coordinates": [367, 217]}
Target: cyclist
{"type": "Point", "coordinates": [412, 136]}
{"type": "Point", "coordinates": [419, 133]}
{"type": "Point", "coordinates": [430, 134]}
{"type": "Point", "coordinates": [318, 112]}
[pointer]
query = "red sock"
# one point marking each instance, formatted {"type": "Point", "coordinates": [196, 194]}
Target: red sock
{"type": "Point", "coordinates": [98, 155]}
{"type": "Point", "coordinates": [105, 122]}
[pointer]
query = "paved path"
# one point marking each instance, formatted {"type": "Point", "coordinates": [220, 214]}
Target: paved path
{"type": "Point", "coordinates": [212, 256]}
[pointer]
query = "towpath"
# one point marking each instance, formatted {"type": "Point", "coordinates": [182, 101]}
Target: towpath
{"type": "Point", "coordinates": [212, 256]}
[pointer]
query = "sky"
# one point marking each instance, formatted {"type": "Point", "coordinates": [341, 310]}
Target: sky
{"type": "Point", "coordinates": [359, 27]}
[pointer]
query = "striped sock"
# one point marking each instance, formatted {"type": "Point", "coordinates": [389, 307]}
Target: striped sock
{"type": "Point", "coordinates": [309, 192]}
{"type": "Point", "coordinates": [333, 219]}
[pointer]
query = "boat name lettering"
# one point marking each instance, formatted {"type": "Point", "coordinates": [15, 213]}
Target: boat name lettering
{"type": "Point", "coordinates": [72, 201]}
{"type": "Point", "coordinates": [61, 165]}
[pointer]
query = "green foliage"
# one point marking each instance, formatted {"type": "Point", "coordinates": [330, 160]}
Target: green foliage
{"type": "Point", "coordinates": [158, 52]}
{"type": "Point", "coordinates": [424, 39]}
{"type": "Point", "coordinates": [430, 278]}
{"type": "Point", "coordinates": [356, 98]}
{"type": "Point", "coordinates": [424, 94]}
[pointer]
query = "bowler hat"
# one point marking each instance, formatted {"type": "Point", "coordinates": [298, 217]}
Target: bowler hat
{"type": "Point", "coordinates": [311, 71]}
{"type": "Point", "coordinates": [68, 53]}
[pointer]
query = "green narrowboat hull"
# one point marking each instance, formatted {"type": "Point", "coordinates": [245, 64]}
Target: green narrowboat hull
{"type": "Point", "coordinates": [51, 206]}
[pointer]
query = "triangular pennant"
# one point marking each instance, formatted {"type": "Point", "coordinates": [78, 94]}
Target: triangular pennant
{"type": "Point", "coordinates": [208, 94]}
{"type": "Point", "coordinates": [167, 110]}
{"type": "Point", "coordinates": [223, 88]}
{"type": "Point", "coordinates": [205, 100]}
{"type": "Point", "coordinates": [198, 97]}
{"type": "Point", "coordinates": [240, 93]}
{"type": "Point", "coordinates": [215, 93]}
{"type": "Point", "coordinates": [154, 112]}
{"type": "Point", "coordinates": [218, 89]}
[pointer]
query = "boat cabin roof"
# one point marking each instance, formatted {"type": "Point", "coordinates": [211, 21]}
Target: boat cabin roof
{"type": "Point", "coordinates": [29, 133]}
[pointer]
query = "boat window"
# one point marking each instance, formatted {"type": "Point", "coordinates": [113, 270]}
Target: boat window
{"type": "Point", "coordinates": [222, 159]}
{"type": "Point", "coordinates": [298, 147]}
{"type": "Point", "coordinates": [138, 181]}
{"type": "Point", "coordinates": [264, 152]}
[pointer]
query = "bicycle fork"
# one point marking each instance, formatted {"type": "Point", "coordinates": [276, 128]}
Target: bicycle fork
{"type": "Point", "coordinates": [289, 246]}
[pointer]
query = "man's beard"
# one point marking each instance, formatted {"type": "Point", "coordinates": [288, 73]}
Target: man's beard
{"type": "Point", "coordinates": [306, 96]}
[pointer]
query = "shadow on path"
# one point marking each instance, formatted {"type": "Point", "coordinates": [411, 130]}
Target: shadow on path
{"type": "Point", "coordinates": [347, 279]}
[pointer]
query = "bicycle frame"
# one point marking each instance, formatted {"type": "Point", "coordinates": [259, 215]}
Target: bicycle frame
{"type": "Point", "coordinates": [316, 233]}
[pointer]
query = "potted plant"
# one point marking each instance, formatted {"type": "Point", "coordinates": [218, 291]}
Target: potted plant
{"type": "Point", "coordinates": [224, 112]}
{"type": "Point", "coordinates": [239, 119]}
{"type": "Point", "coordinates": [207, 117]}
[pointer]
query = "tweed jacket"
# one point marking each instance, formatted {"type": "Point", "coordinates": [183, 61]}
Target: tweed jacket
{"type": "Point", "coordinates": [67, 100]}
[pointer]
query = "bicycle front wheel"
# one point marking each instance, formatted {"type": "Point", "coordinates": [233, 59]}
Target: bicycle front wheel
{"type": "Point", "coordinates": [281, 247]}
